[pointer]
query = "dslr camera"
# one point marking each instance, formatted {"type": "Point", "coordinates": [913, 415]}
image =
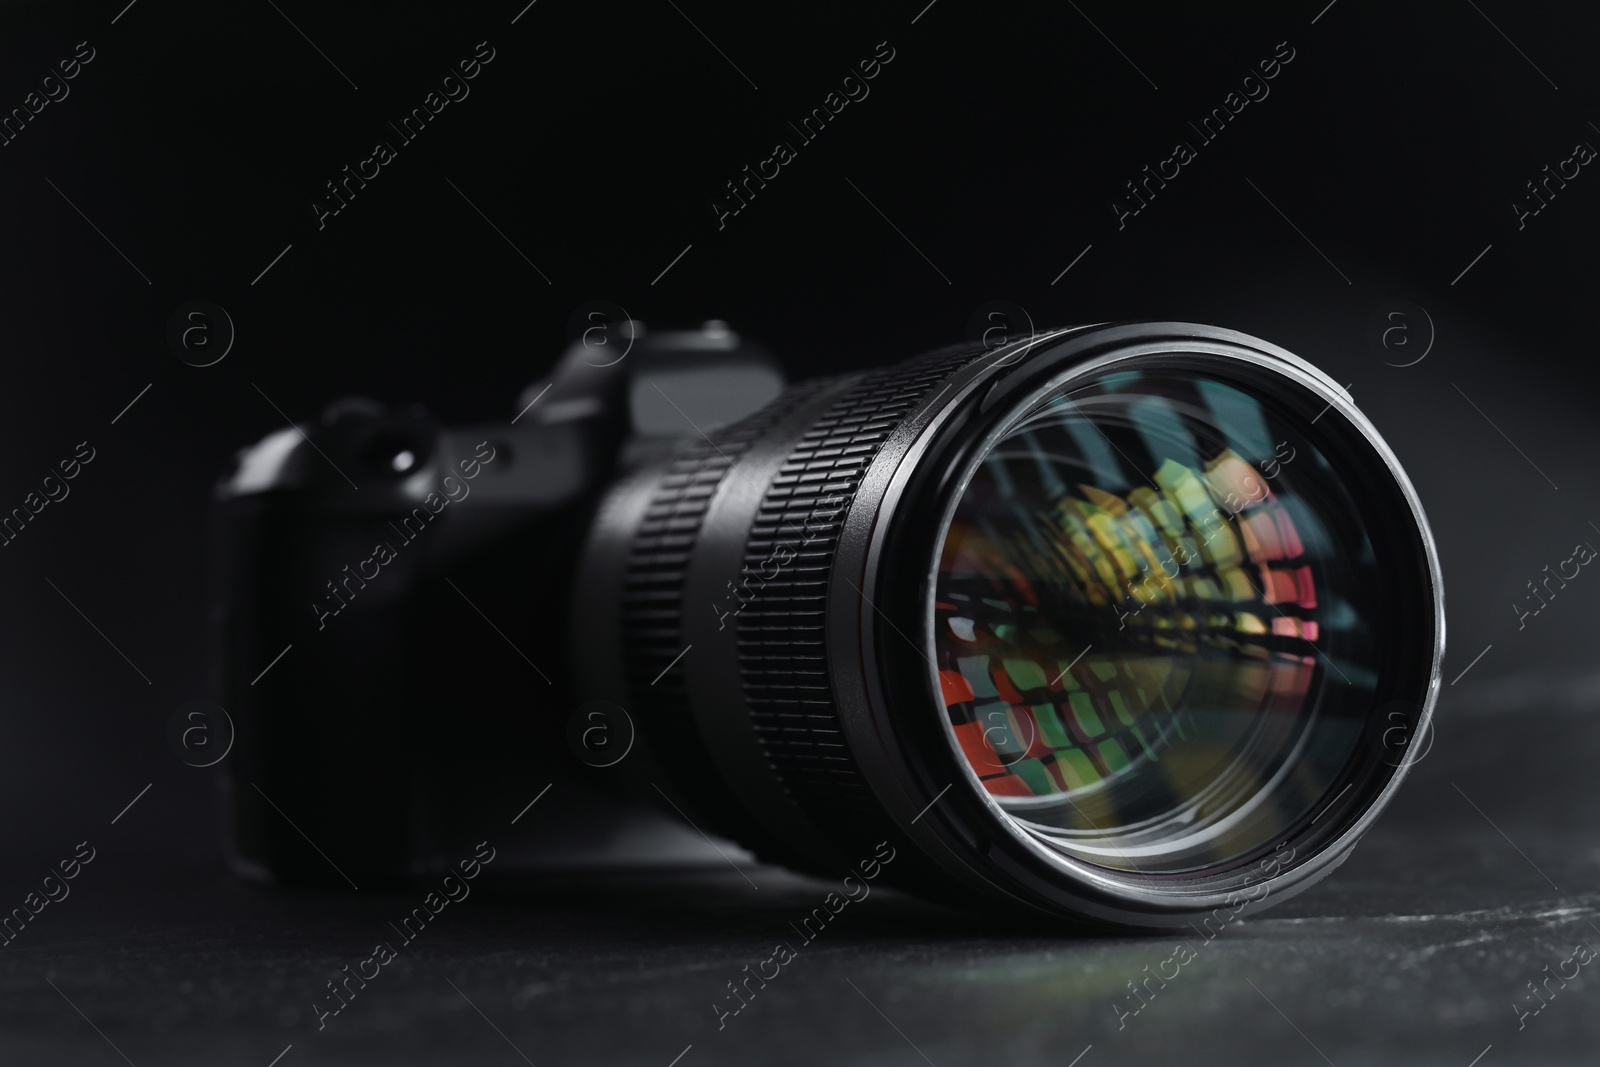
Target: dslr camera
{"type": "Point", "coordinates": [1112, 624]}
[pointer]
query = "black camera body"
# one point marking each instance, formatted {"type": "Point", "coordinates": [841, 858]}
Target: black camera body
{"type": "Point", "coordinates": [393, 601]}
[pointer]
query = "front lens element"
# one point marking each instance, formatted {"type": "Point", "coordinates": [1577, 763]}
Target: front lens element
{"type": "Point", "coordinates": [1154, 620]}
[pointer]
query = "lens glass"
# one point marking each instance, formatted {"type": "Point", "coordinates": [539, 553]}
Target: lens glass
{"type": "Point", "coordinates": [1156, 619]}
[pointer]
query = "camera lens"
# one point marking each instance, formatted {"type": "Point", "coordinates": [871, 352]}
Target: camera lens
{"type": "Point", "coordinates": [1152, 623]}
{"type": "Point", "coordinates": [1097, 624]}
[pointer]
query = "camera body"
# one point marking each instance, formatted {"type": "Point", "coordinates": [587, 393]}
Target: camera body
{"type": "Point", "coordinates": [392, 600]}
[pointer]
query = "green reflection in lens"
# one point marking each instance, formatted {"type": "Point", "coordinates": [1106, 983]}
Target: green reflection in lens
{"type": "Point", "coordinates": [1132, 621]}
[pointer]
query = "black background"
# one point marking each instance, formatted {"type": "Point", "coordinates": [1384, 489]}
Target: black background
{"type": "Point", "coordinates": [1385, 159]}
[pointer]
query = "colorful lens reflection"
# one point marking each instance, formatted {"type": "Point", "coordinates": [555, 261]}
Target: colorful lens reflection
{"type": "Point", "coordinates": [1149, 624]}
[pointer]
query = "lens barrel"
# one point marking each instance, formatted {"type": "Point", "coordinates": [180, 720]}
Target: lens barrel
{"type": "Point", "coordinates": [1121, 623]}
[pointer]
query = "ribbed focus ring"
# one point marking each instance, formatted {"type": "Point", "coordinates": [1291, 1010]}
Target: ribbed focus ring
{"type": "Point", "coordinates": [781, 631]}
{"type": "Point", "coordinates": [652, 609]}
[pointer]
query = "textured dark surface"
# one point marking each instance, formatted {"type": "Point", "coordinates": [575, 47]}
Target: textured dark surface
{"type": "Point", "coordinates": [1413, 952]}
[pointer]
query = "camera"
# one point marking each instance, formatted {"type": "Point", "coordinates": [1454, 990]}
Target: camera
{"type": "Point", "coordinates": [1112, 624]}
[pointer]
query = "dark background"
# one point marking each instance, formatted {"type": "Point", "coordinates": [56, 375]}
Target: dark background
{"type": "Point", "coordinates": [1391, 149]}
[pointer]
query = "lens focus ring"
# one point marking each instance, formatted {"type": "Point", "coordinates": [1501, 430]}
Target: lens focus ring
{"type": "Point", "coordinates": [782, 653]}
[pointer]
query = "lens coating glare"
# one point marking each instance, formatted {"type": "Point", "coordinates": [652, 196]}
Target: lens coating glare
{"type": "Point", "coordinates": [1154, 621]}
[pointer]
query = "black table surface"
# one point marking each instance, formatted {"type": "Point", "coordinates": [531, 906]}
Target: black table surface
{"type": "Point", "coordinates": [1483, 877]}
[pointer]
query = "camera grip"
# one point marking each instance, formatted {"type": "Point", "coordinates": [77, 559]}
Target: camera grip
{"type": "Point", "coordinates": [315, 620]}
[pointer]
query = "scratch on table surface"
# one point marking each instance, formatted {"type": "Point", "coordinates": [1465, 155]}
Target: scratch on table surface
{"type": "Point", "coordinates": [1421, 955]}
{"type": "Point", "coordinates": [1501, 914]}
